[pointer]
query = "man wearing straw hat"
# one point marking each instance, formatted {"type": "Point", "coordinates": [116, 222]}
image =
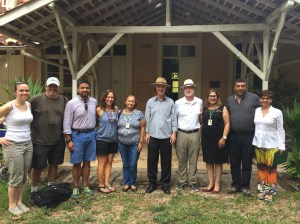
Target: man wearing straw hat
{"type": "Point", "coordinates": [160, 135]}
{"type": "Point", "coordinates": [188, 110]}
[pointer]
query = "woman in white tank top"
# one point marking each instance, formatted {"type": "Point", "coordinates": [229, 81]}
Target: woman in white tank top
{"type": "Point", "coordinates": [17, 146]}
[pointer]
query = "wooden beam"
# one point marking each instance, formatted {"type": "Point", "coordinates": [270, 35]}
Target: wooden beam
{"type": "Point", "coordinates": [25, 9]}
{"type": "Point", "coordinates": [65, 41]}
{"type": "Point", "coordinates": [172, 29]}
{"type": "Point", "coordinates": [26, 54]}
{"type": "Point", "coordinates": [239, 54]}
{"type": "Point", "coordinates": [168, 12]}
{"type": "Point", "coordinates": [65, 16]}
{"type": "Point", "coordinates": [275, 42]}
{"type": "Point", "coordinates": [19, 38]}
{"type": "Point", "coordinates": [99, 55]}
{"type": "Point", "coordinates": [283, 8]}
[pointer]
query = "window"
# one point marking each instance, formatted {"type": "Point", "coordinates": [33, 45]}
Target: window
{"type": "Point", "coordinates": [67, 75]}
{"type": "Point", "coordinates": [52, 70]}
{"type": "Point", "coordinates": [188, 51]}
{"type": "Point", "coordinates": [170, 51]}
{"type": "Point", "coordinates": [53, 50]}
{"type": "Point", "coordinates": [119, 50]}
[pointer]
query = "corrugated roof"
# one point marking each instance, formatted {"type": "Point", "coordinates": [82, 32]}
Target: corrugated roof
{"type": "Point", "coordinates": [40, 26]}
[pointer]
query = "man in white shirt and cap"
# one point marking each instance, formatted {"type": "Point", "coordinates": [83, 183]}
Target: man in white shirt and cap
{"type": "Point", "coordinates": [188, 110]}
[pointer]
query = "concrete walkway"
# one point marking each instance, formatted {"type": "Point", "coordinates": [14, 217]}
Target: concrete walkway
{"type": "Point", "coordinates": [116, 179]}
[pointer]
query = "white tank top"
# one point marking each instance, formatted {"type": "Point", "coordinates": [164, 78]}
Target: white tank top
{"type": "Point", "coordinates": [18, 124]}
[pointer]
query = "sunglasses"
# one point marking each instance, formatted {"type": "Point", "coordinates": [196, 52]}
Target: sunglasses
{"type": "Point", "coordinates": [86, 107]}
{"type": "Point", "coordinates": [20, 82]}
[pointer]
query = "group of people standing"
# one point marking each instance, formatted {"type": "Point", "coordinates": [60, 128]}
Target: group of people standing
{"type": "Point", "coordinates": [39, 130]}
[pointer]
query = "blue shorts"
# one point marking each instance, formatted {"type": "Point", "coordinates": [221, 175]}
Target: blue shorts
{"type": "Point", "coordinates": [84, 147]}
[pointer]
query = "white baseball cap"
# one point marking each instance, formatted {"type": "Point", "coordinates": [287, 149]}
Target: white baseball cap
{"type": "Point", "coordinates": [52, 80]}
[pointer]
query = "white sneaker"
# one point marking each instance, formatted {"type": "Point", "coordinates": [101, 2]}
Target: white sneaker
{"type": "Point", "coordinates": [15, 211]}
{"type": "Point", "coordinates": [23, 208]}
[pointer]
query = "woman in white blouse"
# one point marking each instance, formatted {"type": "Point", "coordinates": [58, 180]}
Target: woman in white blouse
{"type": "Point", "coordinates": [268, 139]}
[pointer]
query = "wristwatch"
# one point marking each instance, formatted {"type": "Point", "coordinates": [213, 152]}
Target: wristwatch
{"type": "Point", "coordinates": [225, 137]}
{"type": "Point", "coordinates": [68, 140]}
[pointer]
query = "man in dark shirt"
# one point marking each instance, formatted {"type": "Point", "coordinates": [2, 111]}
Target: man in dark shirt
{"type": "Point", "coordinates": [47, 132]}
{"type": "Point", "coordinates": [241, 107]}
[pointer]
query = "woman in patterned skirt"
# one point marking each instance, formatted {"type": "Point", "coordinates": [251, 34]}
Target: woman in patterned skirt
{"type": "Point", "coordinates": [268, 139]}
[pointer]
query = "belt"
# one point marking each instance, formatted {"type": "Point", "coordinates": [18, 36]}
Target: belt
{"type": "Point", "coordinates": [191, 131]}
{"type": "Point", "coordinates": [241, 133]}
{"type": "Point", "coordinates": [85, 130]}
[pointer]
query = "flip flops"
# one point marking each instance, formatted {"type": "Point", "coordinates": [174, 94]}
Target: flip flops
{"type": "Point", "coordinates": [104, 190]}
{"type": "Point", "coordinates": [111, 188]}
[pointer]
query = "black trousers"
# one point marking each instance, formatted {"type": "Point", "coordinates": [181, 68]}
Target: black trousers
{"type": "Point", "coordinates": [164, 148]}
{"type": "Point", "coordinates": [241, 154]}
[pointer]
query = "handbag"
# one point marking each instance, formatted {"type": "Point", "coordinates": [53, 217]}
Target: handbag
{"type": "Point", "coordinates": [278, 159]}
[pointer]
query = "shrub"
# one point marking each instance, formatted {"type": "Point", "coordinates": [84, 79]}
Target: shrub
{"type": "Point", "coordinates": [292, 121]}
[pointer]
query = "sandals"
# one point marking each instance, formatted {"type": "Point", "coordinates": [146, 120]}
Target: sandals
{"type": "Point", "coordinates": [133, 188]}
{"type": "Point", "coordinates": [126, 188]}
{"type": "Point", "coordinates": [104, 190]}
{"type": "Point", "coordinates": [110, 188]}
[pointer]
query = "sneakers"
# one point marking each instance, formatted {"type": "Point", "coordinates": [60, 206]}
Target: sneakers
{"type": "Point", "coordinates": [233, 190]}
{"type": "Point", "coordinates": [194, 188]}
{"type": "Point", "coordinates": [75, 193]}
{"type": "Point", "coordinates": [15, 211]}
{"type": "Point", "coordinates": [87, 191]}
{"type": "Point", "coordinates": [246, 192]}
{"type": "Point", "coordinates": [180, 187]}
{"type": "Point", "coordinates": [23, 208]}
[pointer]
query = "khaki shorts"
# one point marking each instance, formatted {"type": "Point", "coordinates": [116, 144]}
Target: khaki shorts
{"type": "Point", "coordinates": [18, 160]}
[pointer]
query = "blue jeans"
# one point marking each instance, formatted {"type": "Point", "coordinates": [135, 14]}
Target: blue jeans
{"type": "Point", "coordinates": [130, 156]}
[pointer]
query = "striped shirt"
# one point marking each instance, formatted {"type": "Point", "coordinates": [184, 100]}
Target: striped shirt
{"type": "Point", "coordinates": [77, 116]}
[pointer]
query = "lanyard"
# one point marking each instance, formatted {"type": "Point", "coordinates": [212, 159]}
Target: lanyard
{"type": "Point", "coordinates": [211, 113]}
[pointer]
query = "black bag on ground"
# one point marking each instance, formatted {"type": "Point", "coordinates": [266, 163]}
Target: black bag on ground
{"type": "Point", "coordinates": [52, 195]}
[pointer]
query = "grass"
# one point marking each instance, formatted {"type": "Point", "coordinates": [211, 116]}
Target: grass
{"type": "Point", "coordinates": [182, 207]}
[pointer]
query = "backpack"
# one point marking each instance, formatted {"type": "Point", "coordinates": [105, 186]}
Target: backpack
{"type": "Point", "coordinates": [52, 195]}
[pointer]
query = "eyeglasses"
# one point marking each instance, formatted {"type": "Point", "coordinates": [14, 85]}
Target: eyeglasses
{"type": "Point", "coordinates": [213, 96]}
{"type": "Point", "coordinates": [86, 105]}
{"type": "Point", "coordinates": [265, 98]}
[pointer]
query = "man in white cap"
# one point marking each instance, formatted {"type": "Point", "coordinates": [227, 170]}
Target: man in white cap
{"type": "Point", "coordinates": [161, 130]}
{"type": "Point", "coordinates": [47, 132]}
{"type": "Point", "coordinates": [188, 110]}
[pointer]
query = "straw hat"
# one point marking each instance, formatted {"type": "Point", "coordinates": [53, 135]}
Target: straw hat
{"type": "Point", "coordinates": [187, 83]}
{"type": "Point", "coordinates": [160, 81]}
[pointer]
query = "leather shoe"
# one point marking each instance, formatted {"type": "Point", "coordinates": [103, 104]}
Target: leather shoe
{"type": "Point", "coordinates": [233, 190]}
{"type": "Point", "coordinates": [166, 190]}
{"type": "Point", "coordinates": [246, 192]}
{"type": "Point", "coordinates": [150, 188]}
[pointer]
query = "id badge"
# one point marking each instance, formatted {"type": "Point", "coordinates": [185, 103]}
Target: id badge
{"type": "Point", "coordinates": [210, 122]}
{"type": "Point", "coordinates": [127, 125]}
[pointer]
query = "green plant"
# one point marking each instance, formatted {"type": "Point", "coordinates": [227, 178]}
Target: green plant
{"type": "Point", "coordinates": [284, 92]}
{"type": "Point", "coordinates": [35, 87]}
{"type": "Point", "coordinates": [292, 121]}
